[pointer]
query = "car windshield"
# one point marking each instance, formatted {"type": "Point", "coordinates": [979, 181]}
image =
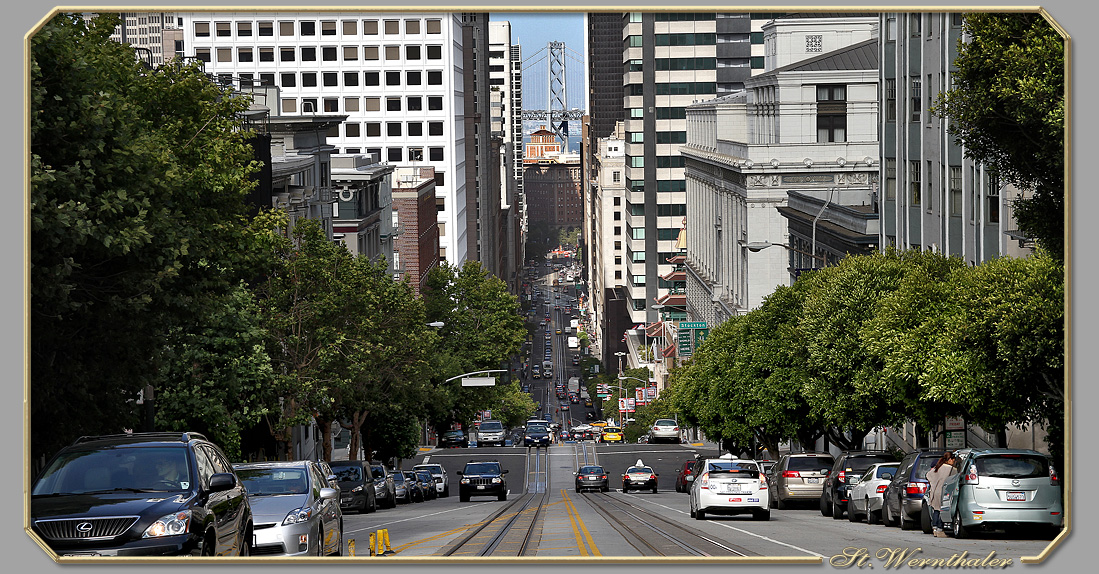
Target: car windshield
{"type": "Point", "coordinates": [536, 428]}
{"type": "Point", "coordinates": [491, 426]}
{"type": "Point", "coordinates": [273, 481]}
{"type": "Point", "coordinates": [432, 468]}
{"type": "Point", "coordinates": [1012, 466]}
{"type": "Point", "coordinates": [809, 462]}
{"type": "Point", "coordinates": [144, 469]}
{"type": "Point", "coordinates": [348, 473]}
{"type": "Point", "coordinates": [482, 468]}
{"type": "Point", "coordinates": [377, 471]}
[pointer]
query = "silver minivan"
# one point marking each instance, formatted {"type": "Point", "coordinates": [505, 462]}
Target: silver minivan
{"type": "Point", "coordinates": [1000, 487]}
{"type": "Point", "coordinates": [799, 476]}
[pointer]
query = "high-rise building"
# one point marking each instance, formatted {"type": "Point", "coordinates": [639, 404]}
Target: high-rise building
{"type": "Point", "coordinates": [399, 77]}
{"type": "Point", "coordinates": [934, 197]}
{"type": "Point", "coordinates": [506, 81]}
{"type": "Point", "coordinates": [152, 34]}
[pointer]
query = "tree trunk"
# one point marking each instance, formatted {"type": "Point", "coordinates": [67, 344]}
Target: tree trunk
{"type": "Point", "coordinates": [326, 436]}
{"type": "Point", "coordinates": [808, 437]}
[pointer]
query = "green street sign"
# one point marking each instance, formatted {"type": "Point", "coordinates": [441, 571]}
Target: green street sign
{"type": "Point", "coordinates": [692, 324]}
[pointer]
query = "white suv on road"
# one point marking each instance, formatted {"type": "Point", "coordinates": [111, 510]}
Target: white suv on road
{"type": "Point", "coordinates": [442, 481]}
{"type": "Point", "coordinates": [491, 433]}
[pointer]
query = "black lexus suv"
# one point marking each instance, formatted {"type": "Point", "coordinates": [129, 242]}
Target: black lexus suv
{"type": "Point", "coordinates": [482, 478]}
{"type": "Point", "coordinates": [141, 494]}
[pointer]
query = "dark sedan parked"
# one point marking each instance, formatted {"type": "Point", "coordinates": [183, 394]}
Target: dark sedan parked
{"type": "Point", "coordinates": [902, 500]}
{"type": "Point", "coordinates": [356, 485]}
{"type": "Point", "coordinates": [591, 477]}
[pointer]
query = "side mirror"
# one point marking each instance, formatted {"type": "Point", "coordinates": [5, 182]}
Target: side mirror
{"type": "Point", "coordinates": [505, 471]}
{"type": "Point", "coordinates": [329, 493]}
{"type": "Point", "coordinates": [460, 473]}
{"type": "Point", "coordinates": [222, 481]}
{"type": "Point", "coordinates": [887, 476]}
{"type": "Point", "coordinates": [690, 478]}
{"type": "Point", "coordinates": [826, 471]}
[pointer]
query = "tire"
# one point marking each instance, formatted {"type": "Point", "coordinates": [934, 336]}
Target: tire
{"type": "Point", "coordinates": [246, 544]}
{"type": "Point", "coordinates": [446, 491]}
{"type": "Point", "coordinates": [872, 517]}
{"type": "Point", "coordinates": [624, 489]}
{"type": "Point", "coordinates": [502, 496]}
{"type": "Point", "coordinates": [907, 523]}
{"type": "Point", "coordinates": [577, 490]}
{"type": "Point", "coordinates": [762, 515]}
{"type": "Point", "coordinates": [825, 507]}
{"type": "Point", "coordinates": [700, 515]}
{"type": "Point", "coordinates": [852, 516]}
{"type": "Point", "coordinates": [960, 531]}
{"type": "Point", "coordinates": [209, 543]}
{"type": "Point", "coordinates": [604, 489]}
{"type": "Point", "coordinates": [925, 519]}
{"type": "Point", "coordinates": [654, 489]}
{"type": "Point", "coordinates": [780, 503]}
{"type": "Point", "coordinates": [837, 512]}
{"type": "Point", "coordinates": [320, 543]}
{"type": "Point", "coordinates": [463, 497]}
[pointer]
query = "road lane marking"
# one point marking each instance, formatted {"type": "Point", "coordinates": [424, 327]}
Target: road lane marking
{"type": "Point", "coordinates": [769, 539]}
{"type": "Point", "coordinates": [570, 508]}
{"type": "Point", "coordinates": [384, 524]}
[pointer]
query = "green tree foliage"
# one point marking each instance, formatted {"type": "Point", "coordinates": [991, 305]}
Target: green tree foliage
{"type": "Point", "coordinates": [138, 180]}
{"type": "Point", "coordinates": [481, 330]}
{"type": "Point", "coordinates": [218, 376]}
{"type": "Point", "coordinates": [1007, 107]}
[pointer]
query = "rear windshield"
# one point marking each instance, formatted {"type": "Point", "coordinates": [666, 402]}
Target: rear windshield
{"type": "Point", "coordinates": [925, 464]}
{"type": "Point", "coordinates": [886, 469]}
{"type": "Point", "coordinates": [1012, 466]}
{"type": "Point", "coordinates": [591, 470]}
{"type": "Point", "coordinates": [435, 468]}
{"type": "Point", "coordinates": [746, 469]}
{"type": "Point", "coordinates": [810, 462]}
{"type": "Point", "coordinates": [864, 462]}
{"type": "Point", "coordinates": [611, 429]}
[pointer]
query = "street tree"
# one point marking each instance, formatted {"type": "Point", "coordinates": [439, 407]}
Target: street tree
{"type": "Point", "coordinates": [1007, 108]}
{"type": "Point", "coordinates": [138, 184]}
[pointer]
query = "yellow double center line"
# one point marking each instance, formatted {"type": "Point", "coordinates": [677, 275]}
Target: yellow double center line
{"type": "Point", "coordinates": [578, 528]}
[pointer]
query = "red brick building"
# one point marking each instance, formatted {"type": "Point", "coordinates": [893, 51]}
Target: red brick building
{"type": "Point", "coordinates": [416, 225]}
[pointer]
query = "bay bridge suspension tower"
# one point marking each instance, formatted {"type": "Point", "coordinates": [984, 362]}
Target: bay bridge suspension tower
{"type": "Point", "coordinates": [555, 111]}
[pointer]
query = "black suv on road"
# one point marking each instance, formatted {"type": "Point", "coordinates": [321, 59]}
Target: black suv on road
{"type": "Point", "coordinates": [482, 478]}
{"type": "Point", "coordinates": [848, 468]}
{"type": "Point", "coordinates": [141, 494]}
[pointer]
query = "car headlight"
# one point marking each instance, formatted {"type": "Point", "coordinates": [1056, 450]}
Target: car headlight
{"type": "Point", "coordinates": [169, 525]}
{"type": "Point", "coordinates": [298, 515]}
{"type": "Point", "coordinates": [465, 481]}
{"type": "Point", "coordinates": [357, 488]}
{"type": "Point", "coordinates": [527, 437]}
{"type": "Point", "coordinates": [496, 480]}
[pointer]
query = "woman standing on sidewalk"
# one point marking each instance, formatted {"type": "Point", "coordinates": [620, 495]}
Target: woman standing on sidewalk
{"type": "Point", "coordinates": [936, 477]}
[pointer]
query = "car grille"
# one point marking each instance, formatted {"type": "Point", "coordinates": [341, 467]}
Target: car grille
{"type": "Point", "coordinates": [85, 528]}
{"type": "Point", "coordinates": [476, 481]}
{"type": "Point", "coordinates": [268, 550]}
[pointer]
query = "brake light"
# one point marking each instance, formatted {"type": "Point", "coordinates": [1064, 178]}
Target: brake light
{"type": "Point", "coordinates": [881, 488]}
{"type": "Point", "coordinates": [971, 477]}
{"type": "Point", "coordinates": [704, 480]}
{"type": "Point", "coordinates": [1053, 477]}
{"type": "Point", "coordinates": [791, 474]}
{"type": "Point", "coordinates": [916, 488]}
{"type": "Point", "coordinates": [762, 485]}
{"type": "Point", "coordinates": [604, 477]}
{"type": "Point", "coordinates": [842, 476]}
{"type": "Point", "coordinates": [652, 477]}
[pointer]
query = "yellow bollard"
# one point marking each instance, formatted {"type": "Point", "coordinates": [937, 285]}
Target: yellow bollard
{"type": "Point", "coordinates": [351, 547]}
{"type": "Point", "coordinates": [372, 538]}
{"type": "Point", "coordinates": [385, 533]}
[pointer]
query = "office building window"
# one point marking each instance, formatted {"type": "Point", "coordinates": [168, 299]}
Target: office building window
{"type": "Point", "coordinates": [244, 54]}
{"type": "Point", "coordinates": [202, 29]}
{"type": "Point", "coordinates": [392, 52]}
{"type": "Point", "coordinates": [392, 78]}
{"type": "Point", "coordinates": [890, 180]}
{"type": "Point", "coordinates": [202, 54]}
{"type": "Point", "coordinates": [435, 78]}
{"type": "Point", "coordinates": [412, 52]}
{"type": "Point", "coordinates": [328, 53]}
{"type": "Point", "coordinates": [616, 177]}
{"type": "Point", "coordinates": [411, 26]}
{"type": "Point", "coordinates": [956, 191]}
{"type": "Point", "coordinates": [288, 80]}
{"type": "Point", "coordinates": [309, 79]}
{"type": "Point", "coordinates": [373, 104]}
{"type": "Point", "coordinates": [328, 28]}
{"type": "Point", "coordinates": [914, 182]}
{"type": "Point", "coordinates": [351, 104]}
{"type": "Point", "coordinates": [434, 52]}
{"type": "Point", "coordinates": [309, 105]}
{"type": "Point", "coordinates": [350, 27]}
{"type": "Point", "coordinates": [993, 198]}
{"type": "Point", "coordinates": [266, 28]}
{"type": "Point", "coordinates": [286, 28]}
{"type": "Point", "coordinates": [350, 53]}
{"type": "Point", "coordinates": [393, 129]}
{"type": "Point", "coordinates": [308, 28]}
{"type": "Point", "coordinates": [915, 99]}
{"type": "Point", "coordinates": [372, 78]}
{"type": "Point", "coordinates": [373, 129]}
{"type": "Point", "coordinates": [351, 129]}
{"type": "Point", "coordinates": [267, 79]}
{"type": "Point", "coordinates": [435, 153]}
{"type": "Point", "coordinates": [286, 54]}
{"type": "Point", "coordinates": [434, 103]}
{"type": "Point", "coordinates": [440, 179]}
{"type": "Point", "coordinates": [435, 128]}
{"type": "Point", "coordinates": [331, 79]}
{"type": "Point", "coordinates": [415, 154]}
{"type": "Point", "coordinates": [412, 78]}
{"type": "Point", "coordinates": [891, 100]}
{"type": "Point", "coordinates": [394, 153]}
{"type": "Point", "coordinates": [290, 105]}
{"type": "Point", "coordinates": [370, 27]}
{"type": "Point", "coordinates": [244, 29]}
{"type": "Point", "coordinates": [370, 52]}
{"type": "Point", "coordinates": [392, 27]}
{"type": "Point", "coordinates": [331, 105]}
{"type": "Point", "coordinates": [415, 103]}
{"type": "Point", "coordinates": [393, 104]}
{"type": "Point", "coordinates": [434, 26]}
{"type": "Point", "coordinates": [351, 79]}
{"type": "Point", "coordinates": [308, 54]}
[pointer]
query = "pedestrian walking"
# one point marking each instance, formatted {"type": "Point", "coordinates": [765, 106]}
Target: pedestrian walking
{"type": "Point", "coordinates": [936, 477]}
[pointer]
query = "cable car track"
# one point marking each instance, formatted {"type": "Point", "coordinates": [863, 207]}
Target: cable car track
{"type": "Point", "coordinates": [654, 535]}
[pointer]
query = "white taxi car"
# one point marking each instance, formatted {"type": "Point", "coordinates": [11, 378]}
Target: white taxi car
{"type": "Point", "coordinates": [729, 485]}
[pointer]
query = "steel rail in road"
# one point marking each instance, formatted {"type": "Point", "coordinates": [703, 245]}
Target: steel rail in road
{"type": "Point", "coordinates": [508, 531]}
{"type": "Point", "coordinates": [653, 535]}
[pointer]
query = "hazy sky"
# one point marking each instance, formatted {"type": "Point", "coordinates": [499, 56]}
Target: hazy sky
{"type": "Point", "coordinates": [533, 31]}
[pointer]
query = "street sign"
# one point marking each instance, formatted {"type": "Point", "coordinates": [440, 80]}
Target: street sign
{"type": "Point", "coordinates": [955, 439]}
{"type": "Point", "coordinates": [692, 324]}
{"type": "Point", "coordinates": [685, 346]}
{"type": "Point", "coordinates": [479, 381]}
{"type": "Point", "coordinates": [955, 423]}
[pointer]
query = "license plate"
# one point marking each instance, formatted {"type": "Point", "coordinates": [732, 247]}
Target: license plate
{"type": "Point", "coordinates": [480, 487]}
{"type": "Point", "coordinates": [593, 478]}
{"type": "Point", "coordinates": [732, 491]}
{"type": "Point", "coordinates": [813, 480]}
{"type": "Point", "coordinates": [1016, 495]}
